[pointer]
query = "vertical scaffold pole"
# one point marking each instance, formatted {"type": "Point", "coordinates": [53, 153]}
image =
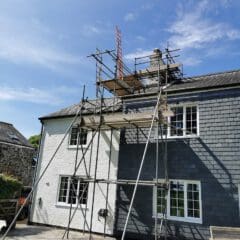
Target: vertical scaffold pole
{"type": "Point", "coordinates": [141, 165]}
{"type": "Point", "coordinates": [75, 165]}
{"type": "Point", "coordinates": [101, 89]}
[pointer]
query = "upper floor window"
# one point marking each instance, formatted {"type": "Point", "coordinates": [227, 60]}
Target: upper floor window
{"type": "Point", "coordinates": [182, 201]}
{"type": "Point", "coordinates": [184, 122]}
{"type": "Point", "coordinates": [78, 136]}
{"type": "Point", "coordinates": [72, 189]}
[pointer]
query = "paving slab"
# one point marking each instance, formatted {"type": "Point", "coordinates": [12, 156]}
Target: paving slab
{"type": "Point", "coordinates": [35, 232]}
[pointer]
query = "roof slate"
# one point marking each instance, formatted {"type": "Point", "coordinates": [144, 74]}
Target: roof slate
{"type": "Point", "coordinates": [9, 134]}
{"type": "Point", "coordinates": [109, 105]}
{"type": "Point", "coordinates": [214, 80]}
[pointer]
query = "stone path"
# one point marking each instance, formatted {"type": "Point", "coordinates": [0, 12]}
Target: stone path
{"type": "Point", "coordinates": [31, 232]}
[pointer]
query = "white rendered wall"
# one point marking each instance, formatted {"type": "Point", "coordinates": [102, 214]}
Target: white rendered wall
{"type": "Point", "coordinates": [49, 211]}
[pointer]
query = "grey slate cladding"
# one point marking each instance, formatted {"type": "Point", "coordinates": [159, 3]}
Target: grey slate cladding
{"type": "Point", "coordinates": [212, 158]}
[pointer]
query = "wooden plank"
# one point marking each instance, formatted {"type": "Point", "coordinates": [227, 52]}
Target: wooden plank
{"type": "Point", "coordinates": [113, 85]}
{"type": "Point", "coordinates": [131, 83]}
{"type": "Point", "coordinates": [162, 68]}
{"type": "Point", "coordinates": [118, 120]}
{"type": "Point", "coordinates": [224, 233]}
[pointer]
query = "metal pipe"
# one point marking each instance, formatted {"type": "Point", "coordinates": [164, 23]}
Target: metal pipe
{"type": "Point", "coordinates": [108, 176]}
{"type": "Point", "coordinates": [89, 170]}
{"type": "Point", "coordinates": [76, 157]}
{"type": "Point", "coordinates": [96, 164]}
{"type": "Point", "coordinates": [35, 171]}
{"type": "Point", "coordinates": [41, 176]}
{"type": "Point", "coordinates": [140, 168]}
{"type": "Point", "coordinates": [79, 199]}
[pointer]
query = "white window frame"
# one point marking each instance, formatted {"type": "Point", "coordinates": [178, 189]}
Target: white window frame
{"type": "Point", "coordinates": [184, 106]}
{"type": "Point", "coordinates": [185, 218]}
{"type": "Point", "coordinates": [66, 204]}
{"type": "Point", "coordinates": [75, 146]}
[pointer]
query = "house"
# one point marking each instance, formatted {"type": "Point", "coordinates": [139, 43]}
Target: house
{"type": "Point", "coordinates": [16, 154]}
{"type": "Point", "coordinates": [198, 183]}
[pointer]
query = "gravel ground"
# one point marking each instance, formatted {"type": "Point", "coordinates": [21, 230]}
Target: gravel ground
{"type": "Point", "coordinates": [31, 232]}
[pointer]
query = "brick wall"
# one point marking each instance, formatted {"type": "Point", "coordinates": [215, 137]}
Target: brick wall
{"type": "Point", "coordinates": [212, 158]}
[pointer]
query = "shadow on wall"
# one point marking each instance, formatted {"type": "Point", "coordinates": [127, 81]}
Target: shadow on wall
{"type": "Point", "coordinates": [115, 139]}
{"type": "Point", "coordinates": [41, 213]}
{"type": "Point", "coordinates": [190, 159]}
{"type": "Point", "coordinates": [110, 217]}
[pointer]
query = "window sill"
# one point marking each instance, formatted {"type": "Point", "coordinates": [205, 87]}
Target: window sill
{"type": "Point", "coordinates": [64, 205]}
{"type": "Point", "coordinates": [181, 137]}
{"type": "Point", "coordinates": [182, 219]}
{"type": "Point", "coordinates": [75, 146]}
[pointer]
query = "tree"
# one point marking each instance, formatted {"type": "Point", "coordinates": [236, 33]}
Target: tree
{"type": "Point", "coordinates": [34, 140]}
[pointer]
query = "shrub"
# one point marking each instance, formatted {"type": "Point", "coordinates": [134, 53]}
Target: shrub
{"type": "Point", "coordinates": [10, 187]}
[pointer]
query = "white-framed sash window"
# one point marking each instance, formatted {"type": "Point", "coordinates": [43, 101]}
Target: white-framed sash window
{"type": "Point", "coordinates": [72, 190]}
{"type": "Point", "coordinates": [78, 136]}
{"type": "Point", "coordinates": [184, 122]}
{"type": "Point", "coordinates": [181, 202]}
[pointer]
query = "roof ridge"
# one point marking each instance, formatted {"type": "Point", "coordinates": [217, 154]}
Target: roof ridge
{"type": "Point", "coordinates": [6, 123]}
{"type": "Point", "coordinates": [211, 74]}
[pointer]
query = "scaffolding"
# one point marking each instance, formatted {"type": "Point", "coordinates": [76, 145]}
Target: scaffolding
{"type": "Point", "coordinates": [122, 83]}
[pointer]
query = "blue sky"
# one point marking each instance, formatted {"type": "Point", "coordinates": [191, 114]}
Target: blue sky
{"type": "Point", "coordinates": [44, 46]}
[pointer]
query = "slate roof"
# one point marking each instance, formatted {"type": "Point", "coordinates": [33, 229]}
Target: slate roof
{"type": "Point", "coordinates": [9, 134]}
{"type": "Point", "coordinates": [202, 82]}
{"type": "Point", "coordinates": [89, 108]}
{"type": "Point", "coordinates": [214, 80]}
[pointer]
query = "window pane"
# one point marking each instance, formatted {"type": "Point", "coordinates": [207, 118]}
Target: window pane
{"type": "Point", "coordinates": [177, 199]}
{"type": "Point", "coordinates": [63, 189]}
{"type": "Point", "coordinates": [73, 190]}
{"type": "Point", "coordinates": [196, 214]}
{"type": "Point", "coordinates": [161, 200]}
{"type": "Point", "coordinates": [191, 120]}
{"type": "Point", "coordinates": [193, 204]}
{"type": "Point", "coordinates": [82, 136]}
{"type": "Point", "coordinates": [176, 122]}
{"type": "Point", "coordinates": [83, 192]}
{"type": "Point", "coordinates": [163, 130]}
{"type": "Point", "coordinates": [73, 138]}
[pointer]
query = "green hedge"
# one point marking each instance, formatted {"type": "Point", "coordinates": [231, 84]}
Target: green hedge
{"type": "Point", "coordinates": [10, 187]}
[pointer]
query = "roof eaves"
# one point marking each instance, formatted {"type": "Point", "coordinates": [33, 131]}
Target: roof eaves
{"type": "Point", "coordinates": [69, 115]}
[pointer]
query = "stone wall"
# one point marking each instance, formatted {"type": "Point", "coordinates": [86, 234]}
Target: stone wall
{"type": "Point", "coordinates": [17, 160]}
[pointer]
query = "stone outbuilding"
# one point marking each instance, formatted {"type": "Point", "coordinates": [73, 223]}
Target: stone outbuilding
{"type": "Point", "coordinates": [16, 154]}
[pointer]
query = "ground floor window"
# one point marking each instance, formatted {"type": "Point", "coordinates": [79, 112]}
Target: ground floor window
{"type": "Point", "coordinates": [72, 190]}
{"type": "Point", "coordinates": [181, 201]}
